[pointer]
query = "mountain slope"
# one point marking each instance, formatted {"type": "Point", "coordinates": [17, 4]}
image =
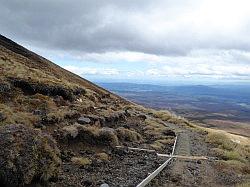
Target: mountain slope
{"type": "Point", "coordinates": [58, 129]}
{"type": "Point", "coordinates": [84, 121]}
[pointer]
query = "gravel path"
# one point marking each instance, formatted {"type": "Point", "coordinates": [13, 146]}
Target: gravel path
{"type": "Point", "coordinates": [185, 172]}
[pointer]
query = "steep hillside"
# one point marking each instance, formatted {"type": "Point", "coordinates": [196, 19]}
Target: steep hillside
{"type": "Point", "coordinates": [58, 129]}
{"type": "Point", "coordinates": [84, 121]}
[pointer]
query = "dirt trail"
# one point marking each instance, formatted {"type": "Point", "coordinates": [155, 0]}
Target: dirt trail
{"type": "Point", "coordinates": [187, 172]}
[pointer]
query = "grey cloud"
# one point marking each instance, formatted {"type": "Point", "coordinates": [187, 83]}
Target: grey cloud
{"type": "Point", "coordinates": [106, 25]}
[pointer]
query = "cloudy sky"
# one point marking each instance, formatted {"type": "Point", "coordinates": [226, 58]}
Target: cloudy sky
{"type": "Point", "coordinates": [200, 41]}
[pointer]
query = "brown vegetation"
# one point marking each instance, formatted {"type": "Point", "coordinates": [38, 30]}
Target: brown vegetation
{"type": "Point", "coordinates": [25, 155]}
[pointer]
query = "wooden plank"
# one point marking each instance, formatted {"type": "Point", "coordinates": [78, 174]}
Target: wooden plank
{"type": "Point", "coordinates": [184, 157]}
{"type": "Point", "coordinates": [136, 149]}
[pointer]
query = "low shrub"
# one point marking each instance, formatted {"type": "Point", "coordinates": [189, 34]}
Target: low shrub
{"type": "Point", "coordinates": [103, 156]}
{"type": "Point", "coordinates": [81, 161]}
{"type": "Point", "coordinates": [92, 135]}
{"type": "Point", "coordinates": [128, 135]}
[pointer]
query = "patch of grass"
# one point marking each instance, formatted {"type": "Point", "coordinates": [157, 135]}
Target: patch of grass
{"type": "Point", "coordinates": [236, 154]}
{"type": "Point", "coordinates": [107, 136]}
{"type": "Point", "coordinates": [220, 140]}
{"type": "Point", "coordinates": [128, 135]}
{"type": "Point", "coordinates": [103, 156]}
{"type": "Point", "coordinates": [92, 135]}
{"type": "Point", "coordinates": [14, 116]}
{"type": "Point", "coordinates": [154, 128]}
{"type": "Point", "coordinates": [244, 184]}
{"type": "Point", "coordinates": [157, 146]}
{"type": "Point", "coordinates": [19, 70]}
{"type": "Point", "coordinates": [233, 155]}
{"type": "Point", "coordinates": [237, 166]}
{"type": "Point", "coordinates": [169, 117]}
{"type": "Point", "coordinates": [81, 161]}
{"type": "Point", "coordinates": [160, 144]}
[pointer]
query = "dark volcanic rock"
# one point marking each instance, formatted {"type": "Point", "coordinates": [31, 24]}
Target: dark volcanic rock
{"type": "Point", "coordinates": [4, 88]}
{"type": "Point", "coordinates": [83, 120]}
{"type": "Point", "coordinates": [26, 155]}
{"type": "Point", "coordinates": [169, 132]}
{"type": "Point", "coordinates": [2, 117]}
{"type": "Point", "coordinates": [39, 112]}
{"type": "Point", "coordinates": [142, 117]}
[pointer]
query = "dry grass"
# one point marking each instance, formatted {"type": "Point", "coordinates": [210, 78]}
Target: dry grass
{"type": "Point", "coordinates": [244, 184]}
{"type": "Point", "coordinates": [169, 117]}
{"type": "Point", "coordinates": [103, 156]}
{"type": "Point", "coordinates": [154, 128]}
{"type": "Point", "coordinates": [14, 116]}
{"type": "Point", "coordinates": [81, 161]}
{"type": "Point", "coordinates": [233, 152]}
{"type": "Point", "coordinates": [237, 166]}
{"type": "Point", "coordinates": [164, 115]}
{"type": "Point", "coordinates": [161, 143]}
{"type": "Point", "coordinates": [228, 150]}
{"type": "Point", "coordinates": [19, 70]}
{"type": "Point", "coordinates": [128, 135]}
{"type": "Point", "coordinates": [93, 135]}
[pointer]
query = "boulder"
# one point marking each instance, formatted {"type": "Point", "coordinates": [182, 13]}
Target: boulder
{"type": "Point", "coordinates": [143, 117]}
{"type": "Point", "coordinates": [83, 120]}
{"type": "Point", "coordinates": [27, 155]}
{"type": "Point", "coordinates": [38, 112]}
{"type": "Point", "coordinates": [2, 117]}
{"type": "Point", "coordinates": [169, 132]}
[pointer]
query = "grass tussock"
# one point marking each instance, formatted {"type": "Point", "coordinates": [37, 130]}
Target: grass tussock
{"type": "Point", "coordinates": [81, 161]}
{"type": "Point", "coordinates": [228, 150]}
{"type": "Point", "coordinates": [158, 133]}
{"type": "Point", "coordinates": [161, 143]}
{"type": "Point", "coordinates": [244, 184]}
{"type": "Point", "coordinates": [166, 116]}
{"type": "Point", "coordinates": [237, 166]}
{"type": "Point", "coordinates": [14, 116]}
{"type": "Point", "coordinates": [128, 135]}
{"type": "Point", "coordinates": [92, 135]}
{"type": "Point", "coordinates": [170, 117]}
{"type": "Point", "coordinates": [103, 156]}
{"type": "Point", "coordinates": [155, 128]}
